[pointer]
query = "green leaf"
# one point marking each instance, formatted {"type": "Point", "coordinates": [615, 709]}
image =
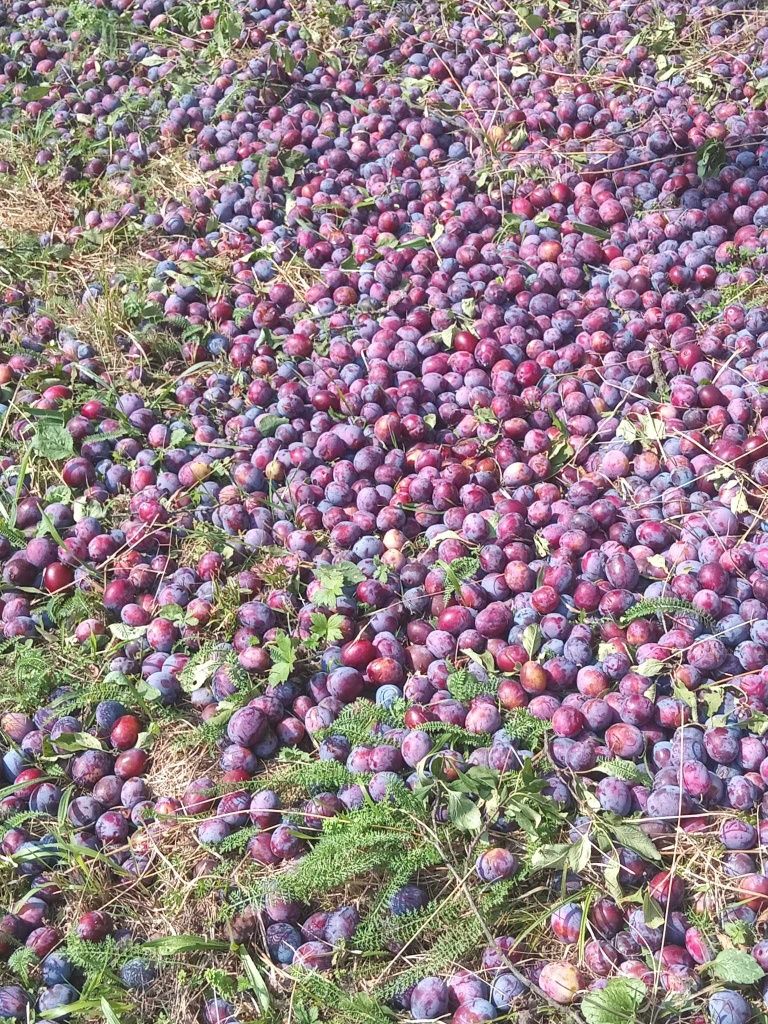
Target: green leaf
{"type": "Point", "coordinates": [627, 431]}
{"type": "Point", "coordinates": [192, 677]}
{"type": "Point", "coordinates": [464, 813]}
{"type": "Point", "coordinates": [530, 20]}
{"type": "Point", "coordinates": [147, 692]}
{"type": "Point", "coordinates": [738, 932]}
{"type": "Point", "coordinates": [617, 1003]}
{"type": "Point", "coordinates": [588, 229]}
{"type": "Point", "coordinates": [611, 875]}
{"type": "Point", "coordinates": [711, 157]}
{"type": "Point", "coordinates": [173, 613]}
{"type": "Point", "coordinates": [554, 855]}
{"type": "Point", "coordinates": [459, 571]}
{"type": "Point", "coordinates": [21, 961]}
{"type": "Point", "coordinates": [650, 667]}
{"type": "Point", "coordinates": [626, 770]}
{"type": "Point", "coordinates": [255, 981]}
{"type": "Point", "coordinates": [333, 579]}
{"type": "Point", "coordinates": [52, 440]}
{"type": "Point", "coordinates": [634, 839]}
{"type": "Point", "coordinates": [122, 632]}
{"type": "Point", "coordinates": [580, 853]}
{"type": "Point", "coordinates": [70, 741]}
{"type": "Point", "coordinates": [110, 1016]}
{"type": "Point", "coordinates": [267, 425]}
{"type": "Point", "coordinates": [735, 967]}
{"type": "Point", "coordinates": [284, 651]}
{"type": "Point", "coordinates": [228, 27]}
{"type": "Point", "coordinates": [541, 544]}
{"type": "Point", "coordinates": [757, 723]}
{"type": "Point", "coordinates": [326, 629]}
{"type": "Point", "coordinates": [59, 493]}
{"type": "Point", "coordinates": [170, 945]}
{"type": "Point", "coordinates": [652, 912]}
{"type": "Point", "coordinates": [84, 1006]}
{"type": "Point", "coordinates": [531, 639]}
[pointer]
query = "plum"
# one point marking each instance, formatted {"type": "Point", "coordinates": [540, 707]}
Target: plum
{"type": "Point", "coordinates": [429, 999]}
{"type": "Point", "coordinates": [561, 982]}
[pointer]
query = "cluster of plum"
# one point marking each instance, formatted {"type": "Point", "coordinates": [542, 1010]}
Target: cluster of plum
{"type": "Point", "coordinates": [103, 821]}
{"type": "Point", "coordinates": [439, 387]}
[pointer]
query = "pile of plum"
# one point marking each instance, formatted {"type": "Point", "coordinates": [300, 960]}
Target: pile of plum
{"type": "Point", "coordinates": [384, 448]}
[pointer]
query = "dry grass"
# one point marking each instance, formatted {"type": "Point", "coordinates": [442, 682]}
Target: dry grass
{"type": "Point", "coordinates": [172, 175]}
{"type": "Point", "coordinates": [174, 762]}
{"type": "Point", "coordinates": [32, 201]}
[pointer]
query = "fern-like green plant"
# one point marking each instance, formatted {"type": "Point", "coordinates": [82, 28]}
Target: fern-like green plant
{"type": "Point", "coordinates": [381, 927]}
{"type": "Point", "coordinates": [663, 606]}
{"type": "Point", "coordinates": [22, 962]}
{"type": "Point", "coordinates": [465, 685]}
{"type": "Point", "coordinates": [29, 675]}
{"type": "Point", "coordinates": [341, 1007]}
{"type": "Point", "coordinates": [19, 820]}
{"type": "Point", "coordinates": [525, 728]}
{"type": "Point", "coordinates": [457, 572]}
{"type": "Point", "coordinates": [626, 770]}
{"type": "Point", "coordinates": [455, 736]}
{"type": "Point", "coordinates": [357, 721]}
{"type": "Point", "coordinates": [375, 839]}
{"type": "Point", "coordinates": [238, 840]}
{"type": "Point", "coordinates": [105, 957]}
{"type": "Point", "coordinates": [457, 935]}
{"type": "Point", "coordinates": [304, 776]}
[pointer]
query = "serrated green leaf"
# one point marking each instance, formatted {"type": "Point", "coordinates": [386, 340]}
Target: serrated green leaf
{"type": "Point", "coordinates": [554, 855]}
{"type": "Point", "coordinates": [52, 440]}
{"type": "Point", "coordinates": [284, 652]}
{"type": "Point", "coordinates": [735, 967]}
{"type": "Point", "coordinates": [326, 629]}
{"type": "Point", "coordinates": [617, 1003]}
{"type": "Point", "coordinates": [333, 579]}
{"type": "Point", "coordinates": [173, 613]}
